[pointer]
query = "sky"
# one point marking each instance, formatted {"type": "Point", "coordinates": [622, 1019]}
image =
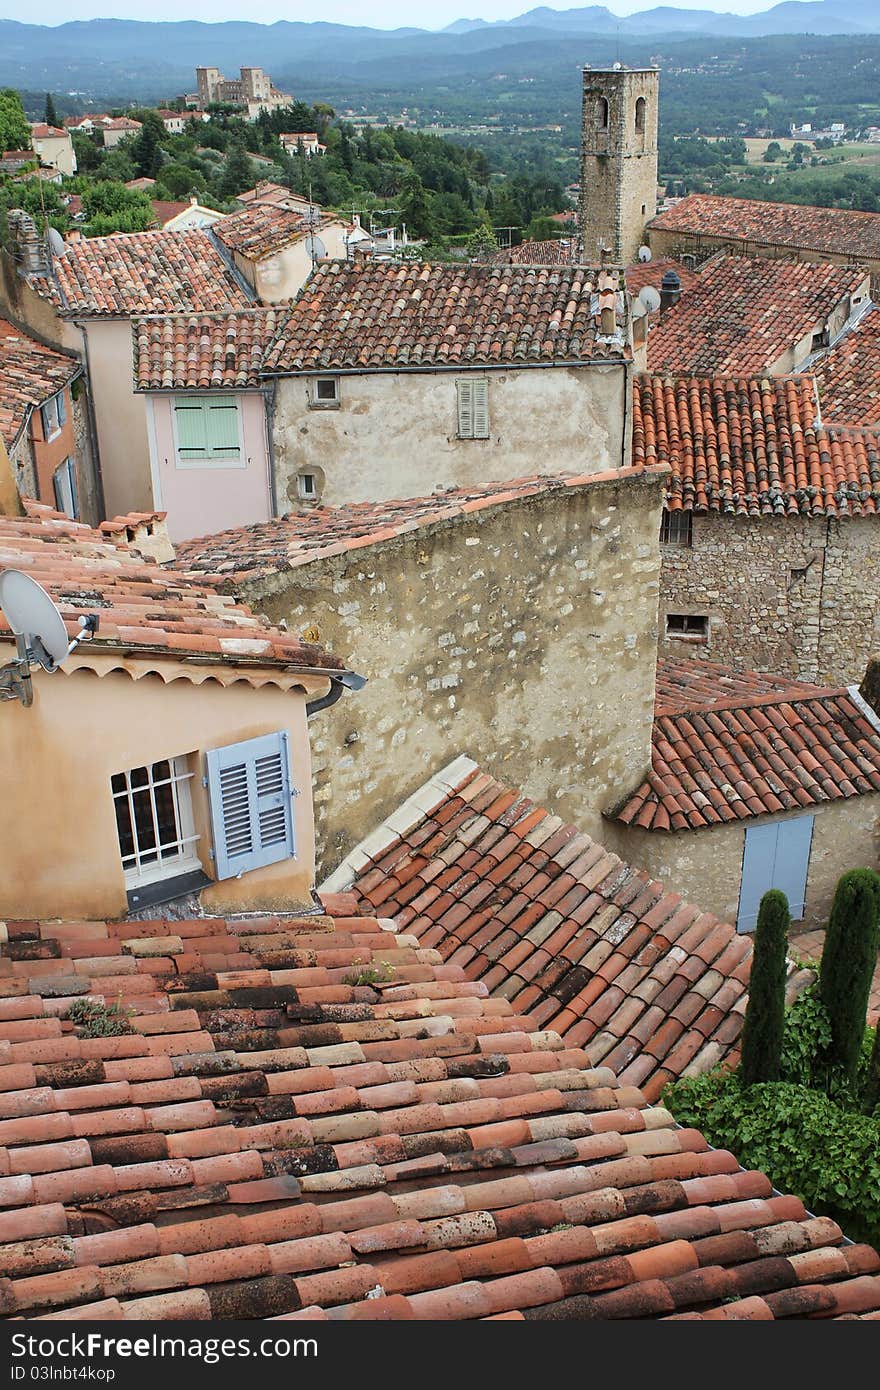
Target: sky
{"type": "Point", "coordinates": [389, 14]}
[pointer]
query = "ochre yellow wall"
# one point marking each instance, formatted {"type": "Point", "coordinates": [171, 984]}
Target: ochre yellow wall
{"type": "Point", "coordinates": [59, 854]}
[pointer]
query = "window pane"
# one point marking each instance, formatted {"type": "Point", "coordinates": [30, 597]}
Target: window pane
{"type": "Point", "coordinates": [326, 390]}
{"type": "Point", "coordinates": [123, 826]}
{"type": "Point", "coordinates": [138, 777]}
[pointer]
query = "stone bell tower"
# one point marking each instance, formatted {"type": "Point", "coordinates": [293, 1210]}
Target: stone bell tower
{"type": "Point", "coordinates": [618, 161]}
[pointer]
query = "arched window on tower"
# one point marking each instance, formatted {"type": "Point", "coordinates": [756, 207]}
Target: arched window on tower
{"type": "Point", "coordinates": [641, 107]}
{"type": "Point", "coordinates": [602, 113]}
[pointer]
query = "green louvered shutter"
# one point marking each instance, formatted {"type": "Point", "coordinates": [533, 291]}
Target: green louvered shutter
{"type": "Point", "coordinates": [222, 427]}
{"type": "Point", "coordinates": [192, 438]}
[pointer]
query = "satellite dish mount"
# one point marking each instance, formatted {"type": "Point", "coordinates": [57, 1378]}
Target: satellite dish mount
{"type": "Point", "coordinates": [40, 635]}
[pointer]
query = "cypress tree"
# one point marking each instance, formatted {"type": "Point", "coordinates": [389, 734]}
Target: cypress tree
{"type": "Point", "coordinates": [849, 958]}
{"type": "Point", "coordinates": [871, 1098]}
{"type": "Point", "coordinates": [51, 116]}
{"type": "Point", "coordinates": [765, 1012]}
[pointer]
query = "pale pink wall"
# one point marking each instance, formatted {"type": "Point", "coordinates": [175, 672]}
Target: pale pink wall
{"type": "Point", "coordinates": [209, 497]}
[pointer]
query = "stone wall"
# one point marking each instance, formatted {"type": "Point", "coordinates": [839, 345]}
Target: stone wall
{"type": "Point", "coordinates": [618, 162]}
{"type": "Point", "coordinates": [701, 245]}
{"type": "Point", "coordinates": [706, 865]}
{"type": "Point", "coordinates": [522, 634]}
{"type": "Point", "coordinates": [797, 596]}
{"type": "Point", "coordinates": [396, 434]}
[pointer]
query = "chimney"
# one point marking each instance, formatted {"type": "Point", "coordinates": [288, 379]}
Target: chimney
{"type": "Point", "coordinates": [145, 532]}
{"type": "Point", "coordinates": [30, 246]}
{"type": "Point", "coordinates": [670, 291]}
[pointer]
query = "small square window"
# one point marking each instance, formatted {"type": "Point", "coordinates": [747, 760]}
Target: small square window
{"type": "Point", "coordinates": [693, 627]}
{"type": "Point", "coordinates": [154, 821]}
{"type": "Point", "coordinates": [307, 486]}
{"type": "Point", "coordinates": [64, 484]}
{"type": "Point", "coordinates": [53, 414]}
{"type": "Point", "coordinates": [676, 528]}
{"type": "Point", "coordinates": [325, 392]}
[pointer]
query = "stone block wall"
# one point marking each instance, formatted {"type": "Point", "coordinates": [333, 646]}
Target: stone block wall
{"type": "Point", "coordinates": [618, 162]}
{"type": "Point", "coordinates": [797, 596]}
{"type": "Point", "coordinates": [522, 634]}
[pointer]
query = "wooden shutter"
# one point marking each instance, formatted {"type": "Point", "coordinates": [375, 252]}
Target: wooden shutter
{"type": "Point", "coordinates": [192, 437]}
{"type": "Point", "coordinates": [776, 856]}
{"type": "Point", "coordinates": [465, 409]}
{"type": "Point", "coordinates": [222, 428]}
{"type": "Point", "coordinates": [480, 392]}
{"type": "Point", "coordinates": [251, 804]}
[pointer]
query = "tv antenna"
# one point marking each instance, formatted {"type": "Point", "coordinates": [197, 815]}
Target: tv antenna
{"type": "Point", "coordinates": [40, 634]}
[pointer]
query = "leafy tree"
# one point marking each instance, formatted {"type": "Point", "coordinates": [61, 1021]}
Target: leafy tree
{"type": "Point", "coordinates": [765, 1013]}
{"type": "Point", "coordinates": [849, 958]}
{"type": "Point", "coordinates": [179, 180]}
{"type": "Point", "coordinates": [238, 174]}
{"type": "Point", "coordinates": [871, 1097]}
{"type": "Point", "coordinates": [415, 207]}
{"type": "Point", "coordinates": [51, 115]}
{"type": "Point", "coordinates": [772, 152]}
{"type": "Point", "coordinates": [482, 242]}
{"type": "Point", "coordinates": [146, 147]}
{"type": "Point", "coordinates": [15, 133]}
{"type": "Point", "coordinates": [111, 207]}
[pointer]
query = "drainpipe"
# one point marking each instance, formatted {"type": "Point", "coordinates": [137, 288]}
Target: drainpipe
{"type": "Point", "coordinates": [97, 469]}
{"type": "Point", "coordinates": [268, 394]}
{"type": "Point", "coordinates": [345, 680]}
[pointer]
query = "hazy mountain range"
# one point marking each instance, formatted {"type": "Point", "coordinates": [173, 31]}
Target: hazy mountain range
{"type": "Point", "coordinates": [790, 17]}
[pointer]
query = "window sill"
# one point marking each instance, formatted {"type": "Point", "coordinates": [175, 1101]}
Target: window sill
{"type": "Point", "coordinates": [164, 890]}
{"type": "Point", "coordinates": [694, 639]}
{"type": "Point", "coordinates": [324, 405]}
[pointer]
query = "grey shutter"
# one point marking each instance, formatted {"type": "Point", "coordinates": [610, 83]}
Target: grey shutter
{"type": "Point", "coordinates": [480, 397]}
{"type": "Point", "coordinates": [465, 409]}
{"type": "Point", "coordinates": [251, 804]}
{"type": "Point", "coordinates": [776, 856]}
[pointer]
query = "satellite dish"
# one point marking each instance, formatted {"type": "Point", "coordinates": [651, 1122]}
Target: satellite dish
{"type": "Point", "coordinates": [316, 248]}
{"type": "Point", "coordinates": [638, 309]}
{"type": "Point", "coordinates": [650, 298]}
{"type": "Point", "coordinates": [31, 613]}
{"type": "Point", "coordinates": [57, 244]}
{"type": "Point", "coordinates": [40, 634]}
{"type": "Point", "coordinates": [645, 253]}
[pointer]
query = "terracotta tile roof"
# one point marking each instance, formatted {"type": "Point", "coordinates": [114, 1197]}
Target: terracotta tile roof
{"type": "Point", "coordinates": [835, 231]}
{"type": "Point", "coordinates": [261, 230]}
{"type": "Point", "coordinates": [165, 211]}
{"type": "Point", "coordinates": [270, 547]}
{"type": "Point", "coordinates": [849, 375]}
{"type": "Point", "coordinates": [29, 374]}
{"type": "Point", "coordinates": [651, 273]}
{"type": "Point", "coordinates": [145, 610]}
{"type": "Point", "coordinates": [272, 193]}
{"type": "Point", "coordinates": [274, 1139]}
{"type": "Point", "coordinates": [41, 131]}
{"type": "Point", "coordinates": [121, 123]}
{"type": "Point", "coordinates": [203, 351]}
{"type": "Point", "coordinates": [559, 251]}
{"type": "Point", "coordinates": [548, 919]}
{"type": "Point", "coordinates": [751, 447]}
{"type": "Point", "coordinates": [386, 315]}
{"type": "Point", "coordinates": [742, 314]}
{"type": "Point", "coordinates": [141, 273]}
{"type": "Point", "coordinates": [753, 749]}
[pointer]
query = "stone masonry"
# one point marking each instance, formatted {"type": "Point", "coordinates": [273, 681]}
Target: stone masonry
{"type": "Point", "coordinates": [618, 161]}
{"type": "Point", "coordinates": [523, 633]}
{"type": "Point", "coordinates": [794, 595]}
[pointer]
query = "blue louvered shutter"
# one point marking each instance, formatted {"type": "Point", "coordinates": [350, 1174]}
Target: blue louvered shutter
{"type": "Point", "coordinates": [776, 855]}
{"type": "Point", "coordinates": [251, 804]}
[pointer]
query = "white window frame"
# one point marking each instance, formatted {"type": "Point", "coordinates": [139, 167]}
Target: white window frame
{"type": "Point", "coordinates": [53, 414]}
{"type": "Point", "coordinates": [67, 472]}
{"type": "Point", "coordinates": [141, 871]}
{"type": "Point", "coordinates": [209, 464]}
{"type": "Point", "coordinates": [324, 403]}
{"type": "Point", "coordinates": [307, 487]}
{"type": "Point", "coordinates": [468, 406]}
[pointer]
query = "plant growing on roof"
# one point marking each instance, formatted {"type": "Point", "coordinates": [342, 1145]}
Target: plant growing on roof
{"type": "Point", "coordinates": [375, 974]}
{"type": "Point", "coordinates": [94, 1020]}
{"type": "Point", "coordinates": [765, 1013]}
{"type": "Point", "coordinates": [848, 962]}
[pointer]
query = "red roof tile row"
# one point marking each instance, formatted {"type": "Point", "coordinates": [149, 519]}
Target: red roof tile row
{"type": "Point", "coordinates": [144, 609]}
{"type": "Point", "coordinates": [271, 547]}
{"type": "Point", "coordinates": [749, 750]}
{"type": "Point", "coordinates": [848, 377]}
{"type": "Point", "coordinates": [834, 231]}
{"type": "Point", "coordinates": [276, 1139]}
{"type": "Point", "coordinates": [386, 315]}
{"type": "Point", "coordinates": [651, 273]}
{"type": "Point", "coordinates": [30, 372]}
{"type": "Point", "coordinates": [741, 315]}
{"type": "Point", "coordinates": [560, 251]}
{"type": "Point", "coordinates": [261, 230]}
{"type": "Point", "coordinates": [203, 351]}
{"type": "Point", "coordinates": [751, 447]}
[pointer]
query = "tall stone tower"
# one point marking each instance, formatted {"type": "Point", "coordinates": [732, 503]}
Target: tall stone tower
{"type": "Point", "coordinates": [618, 161]}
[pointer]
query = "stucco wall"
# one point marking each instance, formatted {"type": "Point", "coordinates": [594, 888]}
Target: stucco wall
{"type": "Point", "coordinates": [395, 434]}
{"type": "Point", "coordinates": [59, 853]}
{"type": "Point", "coordinates": [275, 279]}
{"type": "Point", "coordinates": [200, 499]}
{"type": "Point", "coordinates": [794, 595]}
{"type": "Point", "coordinates": [706, 865]}
{"type": "Point", "coordinates": [523, 635]}
{"type": "Point", "coordinates": [120, 417]}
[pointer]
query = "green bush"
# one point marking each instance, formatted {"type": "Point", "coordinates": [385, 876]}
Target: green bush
{"type": "Point", "coordinates": [804, 1142]}
{"type": "Point", "coordinates": [849, 959]}
{"type": "Point", "coordinates": [765, 1013]}
{"type": "Point", "coordinates": [94, 1020]}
